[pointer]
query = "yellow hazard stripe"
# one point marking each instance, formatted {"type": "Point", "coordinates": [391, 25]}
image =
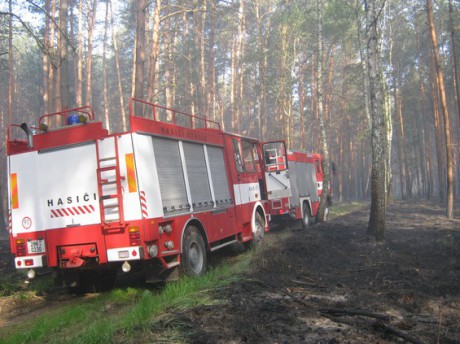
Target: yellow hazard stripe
{"type": "Point", "coordinates": [14, 190]}
{"type": "Point", "coordinates": [132, 186]}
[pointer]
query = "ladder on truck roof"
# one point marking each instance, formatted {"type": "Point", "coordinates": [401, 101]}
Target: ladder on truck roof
{"type": "Point", "coordinates": [109, 183]}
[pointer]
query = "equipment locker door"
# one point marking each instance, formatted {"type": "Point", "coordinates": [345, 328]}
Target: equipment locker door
{"type": "Point", "coordinates": [276, 170]}
{"type": "Point", "coordinates": [247, 188]}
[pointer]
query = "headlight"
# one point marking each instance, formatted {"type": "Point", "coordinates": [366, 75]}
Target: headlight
{"type": "Point", "coordinates": [152, 250]}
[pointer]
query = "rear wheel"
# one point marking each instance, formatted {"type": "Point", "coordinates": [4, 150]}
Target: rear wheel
{"type": "Point", "coordinates": [307, 220]}
{"type": "Point", "coordinates": [193, 253]}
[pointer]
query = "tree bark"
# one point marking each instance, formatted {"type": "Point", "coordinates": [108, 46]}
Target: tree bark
{"type": "Point", "coordinates": [445, 112]}
{"type": "Point", "coordinates": [204, 99]}
{"type": "Point", "coordinates": [454, 60]}
{"type": "Point", "coordinates": [322, 128]}
{"type": "Point", "coordinates": [46, 63]}
{"type": "Point", "coordinates": [89, 59]}
{"type": "Point", "coordinates": [64, 54]}
{"type": "Point", "coordinates": [211, 84]}
{"type": "Point", "coordinates": [52, 69]}
{"type": "Point", "coordinates": [426, 158]}
{"type": "Point", "coordinates": [79, 76]}
{"type": "Point", "coordinates": [152, 91]}
{"type": "Point", "coordinates": [10, 63]}
{"type": "Point", "coordinates": [302, 102]}
{"type": "Point", "coordinates": [141, 6]}
{"type": "Point", "coordinates": [376, 226]}
{"type": "Point", "coordinates": [117, 64]}
{"type": "Point", "coordinates": [104, 67]}
{"type": "Point", "coordinates": [440, 159]}
{"type": "Point", "coordinates": [365, 74]}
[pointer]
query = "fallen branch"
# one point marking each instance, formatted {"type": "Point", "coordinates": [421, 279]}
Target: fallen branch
{"type": "Point", "coordinates": [308, 284]}
{"type": "Point", "coordinates": [398, 333]}
{"type": "Point", "coordinates": [355, 312]}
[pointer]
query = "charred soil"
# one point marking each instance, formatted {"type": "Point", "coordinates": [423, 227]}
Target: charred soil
{"type": "Point", "coordinates": [332, 284]}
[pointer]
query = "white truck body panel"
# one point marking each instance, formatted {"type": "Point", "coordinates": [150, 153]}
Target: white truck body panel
{"type": "Point", "coordinates": [56, 188]}
{"type": "Point", "coordinates": [147, 176]}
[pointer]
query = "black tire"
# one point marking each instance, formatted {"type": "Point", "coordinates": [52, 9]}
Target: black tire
{"type": "Point", "coordinates": [307, 219]}
{"type": "Point", "coordinates": [194, 260]}
{"type": "Point", "coordinates": [258, 233]}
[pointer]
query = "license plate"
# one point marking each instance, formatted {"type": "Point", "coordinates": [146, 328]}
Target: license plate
{"type": "Point", "coordinates": [36, 246]}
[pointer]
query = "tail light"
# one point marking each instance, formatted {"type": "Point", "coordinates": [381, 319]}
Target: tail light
{"type": "Point", "coordinates": [134, 236]}
{"type": "Point", "coordinates": [20, 247]}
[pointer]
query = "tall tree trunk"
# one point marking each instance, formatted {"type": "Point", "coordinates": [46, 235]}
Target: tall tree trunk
{"type": "Point", "coordinates": [104, 67]}
{"type": "Point", "coordinates": [241, 63]}
{"type": "Point", "coordinates": [47, 51]}
{"type": "Point", "coordinates": [262, 47]}
{"type": "Point", "coordinates": [427, 144]}
{"type": "Point", "coordinates": [141, 6]}
{"type": "Point", "coordinates": [454, 60]}
{"type": "Point", "coordinates": [79, 76]}
{"type": "Point", "coordinates": [365, 74]}
{"type": "Point", "coordinates": [211, 85]}
{"type": "Point", "coordinates": [64, 54]}
{"type": "Point", "coordinates": [89, 59]}
{"type": "Point", "coordinates": [10, 63]}
{"type": "Point", "coordinates": [376, 226]}
{"type": "Point", "coordinates": [168, 61]}
{"type": "Point", "coordinates": [133, 73]}
{"type": "Point", "coordinates": [438, 128]}
{"type": "Point", "coordinates": [399, 141]}
{"type": "Point", "coordinates": [445, 112]}
{"type": "Point", "coordinates": [314, 129]}
{"type": "Point", "coordinates": [302, 102]}
{"type": "Point", "coordinates": [233, 86]}
{"type": "Point", "coordinates": [117, 64]}
{"type": "Point", "coordinates": [152, 91]}
{"type": "Point", "coordinates": [58, 100]}
{"type": "Point", "coordinates": [283, 114]}
{"type": "Point", "coordinates": [52, 69]}
{"type": "Point", "coordinates": [204, 109]}
{"type": "Point", "coordinates": [322, 213]}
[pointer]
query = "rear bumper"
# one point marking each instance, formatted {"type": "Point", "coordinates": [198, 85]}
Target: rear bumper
{"type": "Point", "coordinates": [28, 262]}
{"type": "Point", "coordinates": [125, 253]}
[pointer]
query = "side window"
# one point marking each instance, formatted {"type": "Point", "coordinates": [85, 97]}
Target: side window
{"type": "Point", "coordinates": [256, 157]}
{"type": "Point", "coordinates": [248, 157]}
{"type": "Point", "coordinates": [275, 156]}
{"type": "Point", "coordinates": [237, 154]}
{"type": "Point", "coordinates": [318, 167]}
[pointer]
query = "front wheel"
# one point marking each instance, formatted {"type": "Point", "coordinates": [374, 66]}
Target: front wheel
{"type": "Point", "coordinates": [193, 253]}
{"type": "Point", "coordinates": [258, 232]}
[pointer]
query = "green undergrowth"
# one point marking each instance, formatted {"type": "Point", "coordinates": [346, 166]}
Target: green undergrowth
{"type": "Point", "coordinates": [121, 314]}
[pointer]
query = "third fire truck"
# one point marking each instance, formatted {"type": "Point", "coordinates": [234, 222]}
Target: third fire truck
{"type": "Point", "coordinates": [161, 195]}
{"type": "Point", "coordinates": [306, 184]}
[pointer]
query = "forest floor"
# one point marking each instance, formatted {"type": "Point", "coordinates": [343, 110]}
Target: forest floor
{"type": "Point", "coordinates": [332, 284]}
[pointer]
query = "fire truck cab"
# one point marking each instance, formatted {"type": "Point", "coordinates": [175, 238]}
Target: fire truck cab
{"type": "Point", "coordinates": [159, 196]}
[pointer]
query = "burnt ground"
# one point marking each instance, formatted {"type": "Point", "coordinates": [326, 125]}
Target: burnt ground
{"type": "Point", "coordinates": [331, 284]}
{"type": "Point", "coordinates": [328, 284]}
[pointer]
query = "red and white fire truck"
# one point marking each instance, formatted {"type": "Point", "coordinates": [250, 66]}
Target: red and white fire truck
{"type": "Point", "coordinates": [163, 194]}
{"type": "Point", "coordinates": [303, 202]}
{"type": "Point", "coordinates": [318, 160]}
